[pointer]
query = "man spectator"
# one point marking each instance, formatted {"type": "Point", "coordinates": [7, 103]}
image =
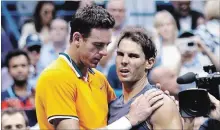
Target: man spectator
{"type": "Point", "coordinates": [166, 78]}
{"type": "Point", "coordinates": [33, 49]}
{"type": "Point", "coordinates": [117, 9]}
{"type": "Point", "coordinates": [58, 32]}
{"type": "Point", "coordinates": [20, 94]}
{"type": "Point", "coordinates": [186, 18]}
{"type": "Point", "coordinates": [190, 55]}
{"type": "Point", "coordinates": [14, 119]}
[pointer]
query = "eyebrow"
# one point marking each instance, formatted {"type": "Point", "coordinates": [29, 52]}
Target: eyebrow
{"type": "Point", "coordinates": [102, 42]}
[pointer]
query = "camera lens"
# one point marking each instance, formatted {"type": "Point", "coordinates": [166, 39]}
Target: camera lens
{"type": "Point", "coordinates": [194, 103]}
{"type": "Point", "coordinates": [191, 44]}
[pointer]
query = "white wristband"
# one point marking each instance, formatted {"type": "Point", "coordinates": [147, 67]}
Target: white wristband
{"type": "Point", "coordinates": [121, 124]}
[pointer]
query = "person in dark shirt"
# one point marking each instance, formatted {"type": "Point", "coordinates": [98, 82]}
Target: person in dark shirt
{"type": "Point", "coordinates": [135, 57]}
{"type": "Point", "coordinates": [20, 94]}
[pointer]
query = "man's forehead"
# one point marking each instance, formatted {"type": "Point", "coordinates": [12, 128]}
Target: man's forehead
{"type": "Point", "coordinates": [9, 117]}
{"type": "Point", "coordinates": [101, 35]}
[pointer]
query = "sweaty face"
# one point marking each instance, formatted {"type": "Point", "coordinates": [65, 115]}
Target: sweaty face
{"type": "Point", "coordinates": [13, 122]}
{"type": "Point", "coordinates": [93, 48]}
{"type": "Point", "coordinates": [19, 68]}
{"type": "Point", "coordinates": [166, 29]}
{"type": "Point", "coordinates": [130, 61]}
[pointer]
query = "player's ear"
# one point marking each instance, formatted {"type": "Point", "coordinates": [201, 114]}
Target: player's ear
{"type": "Point", "coordinates": [149, 63]}
{"type": "Point", "coordinates": [77, 38]}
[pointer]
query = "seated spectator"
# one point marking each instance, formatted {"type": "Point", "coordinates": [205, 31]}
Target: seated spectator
{"type": "Point", "coordinates": [58, 43]}
{"type": "Point", "coordinates": [209, 32]}
{"type": "Point", "coordinates": [168, 53]}
{"type": "Point", "coordinates": [186, 18]}
{"type": "Point", "coordinates": [33, 48]}
{"type": "Point", "coordinates": [44, 13]}
{"type": "Point", "coordinates": [20, 94]}
{"type": "Point", "coordinates": [14, 119]}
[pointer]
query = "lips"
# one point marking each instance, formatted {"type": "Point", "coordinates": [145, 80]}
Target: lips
{"type": "Point", "coordinates": [124, 72]}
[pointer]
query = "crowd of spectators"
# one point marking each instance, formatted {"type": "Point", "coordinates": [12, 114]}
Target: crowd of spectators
{"type": "Point", "coordinates": [186, 40]}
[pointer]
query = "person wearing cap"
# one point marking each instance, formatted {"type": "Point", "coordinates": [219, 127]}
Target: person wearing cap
{"type": "Point", "coordinates": [33, 48]}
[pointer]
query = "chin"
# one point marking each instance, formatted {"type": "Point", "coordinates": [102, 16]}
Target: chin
{"type": "Point", "coordinates": [124, 79]}
{"type": "Point", "coordinates": [93, 65]}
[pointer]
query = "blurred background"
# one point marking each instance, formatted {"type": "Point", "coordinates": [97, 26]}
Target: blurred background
{"type": "Point", "coordinates": [186, 34]}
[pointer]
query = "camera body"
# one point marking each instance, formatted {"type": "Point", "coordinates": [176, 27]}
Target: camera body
{"type": "Point", "coordinates": [196, 102]}
{"type": "Point", "coordinates": [187, 45]}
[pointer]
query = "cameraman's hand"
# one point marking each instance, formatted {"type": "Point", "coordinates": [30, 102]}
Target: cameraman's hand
{"type": "Point", "coordinates": [201, 45]}
{"type": "Point", "coordinates": [144, 105]}
{"type": "Point", "coordinates": [193, 123]}
{"type": "Point", "coordinates": [215, 113]}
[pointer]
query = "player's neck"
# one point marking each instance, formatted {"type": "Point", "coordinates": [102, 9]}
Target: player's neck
{"type": "Point", "coordinates": [132, 89]}
{"type": "Point", "coordinates": [74, 56]}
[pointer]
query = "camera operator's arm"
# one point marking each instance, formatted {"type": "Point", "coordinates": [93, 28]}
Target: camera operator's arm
{"type": "Point", "coordinates": [204, 49]}
{"type": "Point", "coordinates": [215, 113]}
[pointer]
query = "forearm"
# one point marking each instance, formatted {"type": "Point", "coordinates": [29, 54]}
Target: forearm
{"type": "Point", "coordinates": [215, 61]}
{"type": "Point", "coordinates": [121, 124]}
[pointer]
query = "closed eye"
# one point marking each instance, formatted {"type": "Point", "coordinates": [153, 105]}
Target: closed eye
{"type": "Point", "coordinates": [119, 53]}
{"type": "Point", "coordinates": [133, 55]}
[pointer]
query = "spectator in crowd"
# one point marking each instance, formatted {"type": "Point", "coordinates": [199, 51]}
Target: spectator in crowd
{"type": "Point", "coordinates": [58, 43]}
{"type": "Point", "coordinates": [71, 95]}
{"type": "Point", "coordinates": [14, 119]}
{"type": "Point", "coordinates": [190, 55]}
{"type": "Point", "coordinates": [20, 94]}
{"type": "Point", "coordinates": [135, 57]}
{"type": "Point", "coordinates": [33, 49]}
{"type": "Point", "coordinates": [186, 18]}
{"type": "Point", "coordinates": [117, 9]}
{"type": "Point", "coordinates": [166, 77]}
{"type": "Point", "coordinates": [43, 15]}
{"type": "Point", "coordinates": [192, 60]}
{"type": "Point", "coordinates": [209, 32]}
{"type": "Point", "coordinates": [168, 53]}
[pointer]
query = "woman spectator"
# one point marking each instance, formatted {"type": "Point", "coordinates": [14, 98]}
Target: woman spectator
{"type": "Point", "coordinates": [44, 14]}
{"type": "Point", "coordinates": [166, 29]}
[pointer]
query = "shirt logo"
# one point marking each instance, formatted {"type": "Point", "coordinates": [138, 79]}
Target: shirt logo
{"type": "Point", "coordinates": [102, 87]}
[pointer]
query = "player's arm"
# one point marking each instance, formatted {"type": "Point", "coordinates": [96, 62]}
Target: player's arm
{"type": "Point", "coordinates": [167, 116]}
{"type": "Point", "coordinates": [66, 124]}
{"type": "Point", "coordinates": [59, 100]}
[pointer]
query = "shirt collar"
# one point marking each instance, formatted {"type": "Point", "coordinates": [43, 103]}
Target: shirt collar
{"type": "Point", "coordinates": [73, 65]}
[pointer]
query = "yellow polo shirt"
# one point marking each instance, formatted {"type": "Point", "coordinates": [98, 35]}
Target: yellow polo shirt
{"type": "Point", "coordinates": [61, 92]}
